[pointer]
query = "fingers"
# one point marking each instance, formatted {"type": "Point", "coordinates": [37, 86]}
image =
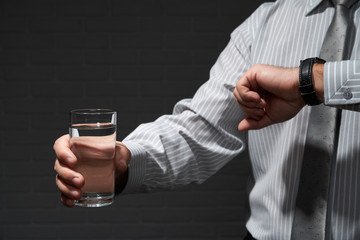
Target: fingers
{"type": "Point", "coordinates": [63, 152]}
{"type": "Point", "coordinates": [67, 190]}
{"type": "Point", "coordinates": [248, 94]}
{"type": "Point", "coordinates": [67, 201]}
{"type": "Point", "coordinates": [69, 183]}
{"type": "Point", "coordinates": [253, 113]}
{"type": "Point", "coordinates": [122, 157]}
{"type": "Point", "coordinates": [249, 98]}
{"type": "Point", "coordinates": [250, 102]}
{"type": "Point", "coordinates": [122, 160]}
{"type": "Point", "coordinates": [253, 124]}
{"type": "Point", "coordinates": [68, 175]}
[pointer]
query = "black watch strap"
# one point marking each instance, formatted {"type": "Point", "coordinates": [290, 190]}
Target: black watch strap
{"type": "Point", "coordinates": [305, 81]}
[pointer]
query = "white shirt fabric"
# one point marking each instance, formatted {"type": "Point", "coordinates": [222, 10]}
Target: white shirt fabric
{"type": "Point", "coordinates": [201, 135]}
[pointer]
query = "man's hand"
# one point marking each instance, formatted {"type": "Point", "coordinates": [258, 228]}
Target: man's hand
{"type": "Point", "coordinates": [70, 182]}
{"type": "Point", "coordinates": [268, 95]}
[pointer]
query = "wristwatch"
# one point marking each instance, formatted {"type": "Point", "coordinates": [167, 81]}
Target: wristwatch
{"type": "Point", "coordinates": [305, 80]}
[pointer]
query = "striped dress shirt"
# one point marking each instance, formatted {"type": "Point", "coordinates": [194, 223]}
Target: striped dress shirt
{"type": "Point", "coordinates": [201, 135]}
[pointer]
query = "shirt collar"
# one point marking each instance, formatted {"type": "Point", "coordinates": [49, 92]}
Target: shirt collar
{"type": "Point", "coordinates": [311, 5]}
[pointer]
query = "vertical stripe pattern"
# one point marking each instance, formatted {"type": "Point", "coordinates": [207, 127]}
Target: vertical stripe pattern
{"type": "Point", "coordinates": [201, 135]}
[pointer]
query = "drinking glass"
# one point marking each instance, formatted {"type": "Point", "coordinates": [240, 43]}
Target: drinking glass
{"type": "Point", "coordinates": [93, 140]}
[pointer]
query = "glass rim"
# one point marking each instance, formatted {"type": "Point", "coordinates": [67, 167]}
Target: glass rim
{"type": "Point", "coordinates": [92, 111]}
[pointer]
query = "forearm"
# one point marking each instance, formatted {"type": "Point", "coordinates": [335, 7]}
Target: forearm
{"type": "Point", "coordinates": [198, 138]}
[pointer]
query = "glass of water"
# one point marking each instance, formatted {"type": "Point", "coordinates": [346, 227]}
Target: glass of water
{"type": "Point", "coordinates": [93, 140]}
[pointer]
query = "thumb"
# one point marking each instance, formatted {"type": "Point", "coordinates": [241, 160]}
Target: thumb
{"type": "Point", "coordinates": [122, 158]}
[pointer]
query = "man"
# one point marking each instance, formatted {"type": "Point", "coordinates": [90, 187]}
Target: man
{"type": "Point", "coordinates": [260, 67]}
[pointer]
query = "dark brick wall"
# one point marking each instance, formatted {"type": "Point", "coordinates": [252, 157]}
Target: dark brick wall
{"type": "Point", "coordinates": [137, 56]}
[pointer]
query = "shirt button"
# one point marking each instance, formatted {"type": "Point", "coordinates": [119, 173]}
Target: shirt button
{"type": "Point", "coordinates": [347, 94]}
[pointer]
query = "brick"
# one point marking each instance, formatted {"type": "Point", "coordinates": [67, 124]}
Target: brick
{"type": "Point", "coordinates": [55, 90]}
{"type": "Point", "coordinates": [88, 8]}
{"type": "Point", "coordinates": [12, 57]}
{"type": "Point", "coordinates": [175, 89]}
{"type": "Point", "coordinates": [141, 105]}
{"type": "Point", "coordinates": [10, 90]}
{"type": "Point", "coordinates": [9, 123]}
{"type": "Point", "coordinates": [26, 73]}
{"type": "Point", "coordinates": [83, 74]}
{"type": "Point", "coordinates": [222, 183]}
{"type": "Point", "coordinates": [13, 25]}
{"type": "Point", "coordinates": [12, 154]}
{"type": "Point", "coordinates": [45, 153]}
{"type": "Point", "coordinates": [137, 56]}
{"type": "Point", "coordinates": [55, 25]}
{"type": "Point", "coordinates": [86, 231]}
{"type": "Point", "coordinates": [236, 230]}
{"type": "Point", "coordinates": [110, 57]}
{"type": "Point", "coordinates": [235, 8]}
{"type": "Point", "coordinates": [29, 106]}
{"type": "Point", "coordinates": [188, 199]}
{"type": "Point", "coordinates": [113, 25]}
{"type": "Point", "coordinates": [80, 41]}
{"type": "Point", "coordinates": [30, 170]}
{"type": "Point", "coordinates": [61, 216]}
{"type": "Point", "coordinates": [194, 230]}
{"type": "Point", "coordinates": [164, 57]}
{"type": "Point", "coordinates": [203, 41]}
{"type": "Point", "coordinates": [136, 7]}
{"type": "Point", "coordinates": [31, 232]}
{"type": "Point", "coordinates": [195, 74]}
{"type": "Point", "coordinates": [67, 105]}
{"type": "Point", "coordinates": [238, 166]}
{"type": "Point", "coordinates": [11, 187]}
{"type": "Point", "coordinates": [232, 199]}
{"type": "Point", "coordinates": [28, 8]}
{"type": "Point", "coordinates": [35, 138]}
{"type": "Point", "coordinates": [169, 215]}
{"type": "Point", "coordinates": [27, 41]}
{"type": "Point", "coordinates": [223, 24]}
{"type": "Point", "coordinates": [115, 216]}
{"type": "Point", "coordinates": [138, 40]}
{"type": "Point", "coordinates": [166, 24]}
{"type": "Point", "coordinates": [31, 201]}
{"type": "Point", "coordinates": [154, 231]}
{"type": "Point", "coordinates": [207, 57]}
{"type": "Point", "coordinates": [16, 216]}
{"type": "Point", "coordinates": [42, 185]}
{"type": "Point", "coordinates": [56, 57]}
{"type": "Point", "coordinates": [191, 8]}
{"type": "Point", "coordinates": [138, 73]}
{"type": "Point", "coordinates": [140, 200]}
{"type": "Point", "coordinates": [111, 90]}
{"type": "Point", "coordinates": [213, 215]}
{"type": "Point", "coordinates": [49, 122]}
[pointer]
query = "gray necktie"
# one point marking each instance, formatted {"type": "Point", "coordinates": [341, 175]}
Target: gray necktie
{"type": "Point", "coordinates": [321, 141]}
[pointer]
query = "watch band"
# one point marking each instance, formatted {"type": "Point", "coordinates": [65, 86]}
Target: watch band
{"type": "Point", "coordinates": [305, 80]}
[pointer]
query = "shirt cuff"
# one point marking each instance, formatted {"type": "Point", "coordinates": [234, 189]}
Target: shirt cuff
{"type": "Point", "coordinates": [136, 168]}
{"type": "Point", "coordinates": [341, 83]}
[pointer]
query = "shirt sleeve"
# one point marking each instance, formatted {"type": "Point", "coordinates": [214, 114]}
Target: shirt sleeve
{"type": "Point", "coordinates": [201, 135]}
{"type": "Point", "coordinates": [342, 84]}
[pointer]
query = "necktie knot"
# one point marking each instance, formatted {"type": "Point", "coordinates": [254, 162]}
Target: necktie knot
{"type": "Point", "coordinates": [345, 3]}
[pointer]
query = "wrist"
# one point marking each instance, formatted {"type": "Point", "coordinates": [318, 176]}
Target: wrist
{"type": "Point", "coordinates": [308, 77]}
{"type": "Point", "coordinates": [318, 80]}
